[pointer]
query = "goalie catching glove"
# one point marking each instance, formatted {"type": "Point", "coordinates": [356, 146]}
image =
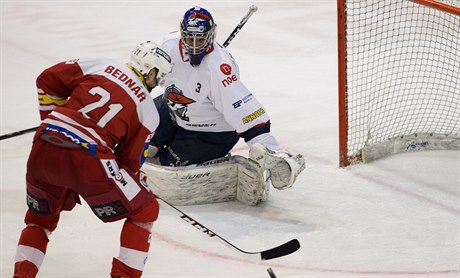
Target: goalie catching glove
{"type": "Point", "coordinates": [282, 166]}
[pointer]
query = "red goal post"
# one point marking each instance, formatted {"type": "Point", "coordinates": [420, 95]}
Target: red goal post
{"type": "Point", "coordinates": [398, 77]}
{"type": "Point", "coordinates": [450, 6]}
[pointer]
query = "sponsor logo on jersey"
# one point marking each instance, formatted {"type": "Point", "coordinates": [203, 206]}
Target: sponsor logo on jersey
{"type": "Point", "coordinates": [109, 210]}
{"type": "Point", "coordinates": [118, 177]}
{"type": "Point", "coordinates": [200, 125]}
{"type": "Point", "coordinates": [91, 148]}
{"type": "Point", "coordinates": [177, 102]}
{"type": "Point", "coordinates": [246, 99]}
{"type": "Point", "coordinates": [226, 69]}
{"type": "Point", "coordinates": [229, 80]}
{"type": "Point", "coordinates": [237, 103]}
{"type": "Point", "coordinates": [253, 116]}
{"type": "Point", "coordinates": [122, 179]}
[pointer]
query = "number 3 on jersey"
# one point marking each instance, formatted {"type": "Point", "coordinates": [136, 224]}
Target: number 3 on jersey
{"type": "Point", "coordinates": [114, 108]}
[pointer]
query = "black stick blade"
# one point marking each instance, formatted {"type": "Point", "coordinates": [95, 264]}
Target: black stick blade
{"type": "Point", "coordinates": [282, 250]}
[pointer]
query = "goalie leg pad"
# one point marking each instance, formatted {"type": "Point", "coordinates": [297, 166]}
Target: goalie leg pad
{"type": "Point", "coordinates": [251, 184]}
{"type": "Point", "coordinates": [218, 180]}
{"type": "Point", "coordinates": [284, 167]}
{"type": "Point", "coordinates": [210, 182]}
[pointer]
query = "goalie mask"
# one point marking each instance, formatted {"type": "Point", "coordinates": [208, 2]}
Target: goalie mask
{"type": "Point", "coordinates": [149, 55]}
{"type": "Point", "coordinates": [198, 32]}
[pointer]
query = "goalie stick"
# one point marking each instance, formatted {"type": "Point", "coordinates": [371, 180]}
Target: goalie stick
{"type": "Point", "coordinates": [243, 21]}
{"type": "Point", "coordinates": [252, 9]}
{"type": "Point", "coordinates": [276, 252]}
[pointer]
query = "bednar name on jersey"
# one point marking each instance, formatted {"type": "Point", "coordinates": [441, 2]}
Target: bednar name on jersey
{"type": "Point", "coordinates": [133, 85]}
{"type": "Point", "coordinates": [107, 105]}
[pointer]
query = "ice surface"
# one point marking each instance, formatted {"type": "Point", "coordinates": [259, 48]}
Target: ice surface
{"type": "Point", "coordinates": [395, 217]}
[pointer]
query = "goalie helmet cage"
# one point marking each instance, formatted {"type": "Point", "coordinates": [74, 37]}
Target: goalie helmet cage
{"type": "Point", "coordinates": [399, 77]}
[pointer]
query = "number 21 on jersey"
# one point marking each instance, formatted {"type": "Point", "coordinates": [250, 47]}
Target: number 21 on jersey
{"type": "Point", "coordinates": [113, 108]}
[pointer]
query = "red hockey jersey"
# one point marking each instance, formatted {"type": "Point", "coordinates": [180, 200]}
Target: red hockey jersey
{"type": "Point", "coordinates": [100, 105]}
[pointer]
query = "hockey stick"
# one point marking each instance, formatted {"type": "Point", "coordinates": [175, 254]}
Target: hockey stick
{"type": "Point", "coordinates": [276, 252]}
{"type": "Point", "coordinates": [243, 21]}
{"type": "Point", "coordinates": [17, 133]}
{"type": "Point", "coordinates": [252, 9]}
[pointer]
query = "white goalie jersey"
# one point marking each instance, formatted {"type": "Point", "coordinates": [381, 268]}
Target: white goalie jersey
{"type": "Point", "coordinates": [211, 96]}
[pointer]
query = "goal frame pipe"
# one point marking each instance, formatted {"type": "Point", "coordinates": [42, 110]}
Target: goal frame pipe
{"type": "Point", "coordinates": [342, 84]}
{"type": "Point", "coordinates": [439, 6]}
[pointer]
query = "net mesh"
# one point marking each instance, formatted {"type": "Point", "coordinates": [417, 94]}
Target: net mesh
{"type": "Point", "coordinates": [403, 71]}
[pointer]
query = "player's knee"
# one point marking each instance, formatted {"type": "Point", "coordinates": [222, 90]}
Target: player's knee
{"type": "Point", "coordinates": [148, 214]}
{"type": "Point", "coordinates": [46, 231]}
{"type": "Point", "coordinates": [48, 223]}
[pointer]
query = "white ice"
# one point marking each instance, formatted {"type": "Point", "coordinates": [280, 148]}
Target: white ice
{"type": "Point", "coordinates": [395, 217]}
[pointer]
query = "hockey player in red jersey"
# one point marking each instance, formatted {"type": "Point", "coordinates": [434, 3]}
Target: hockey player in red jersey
{"type": "Point", "coordinates": [97, 122]}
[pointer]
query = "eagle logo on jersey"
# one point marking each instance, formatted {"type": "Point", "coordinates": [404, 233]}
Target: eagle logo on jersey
{"type": "Point", "coordinates": [177, 102]}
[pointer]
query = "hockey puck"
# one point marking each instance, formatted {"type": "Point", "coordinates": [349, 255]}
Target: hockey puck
{"type": "Point", "coordinates": [271, 273]}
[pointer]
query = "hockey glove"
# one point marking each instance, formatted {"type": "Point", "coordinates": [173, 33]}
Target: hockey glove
{"type": "Point", "coordinates": [283, 166]}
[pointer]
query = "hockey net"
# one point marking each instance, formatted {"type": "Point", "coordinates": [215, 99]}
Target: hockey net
{"type": "Point", "coordinates": [399, 77]}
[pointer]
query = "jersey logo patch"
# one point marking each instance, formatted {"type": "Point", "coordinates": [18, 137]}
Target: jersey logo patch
{"type": "Point", "coordinates": [226, 69]}
{"type": "Point", "coordinates": [229, 80]}
{"type": "Point", "coordinates": [253, 116]}
{"type": "Point", "coordinates": [177, 102]}
{"type": "Point", "coordinates": [238, 103]}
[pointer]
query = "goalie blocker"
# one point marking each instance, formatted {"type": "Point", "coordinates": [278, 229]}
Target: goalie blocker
{"type": "Point", "coordinates": [226, 179]}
